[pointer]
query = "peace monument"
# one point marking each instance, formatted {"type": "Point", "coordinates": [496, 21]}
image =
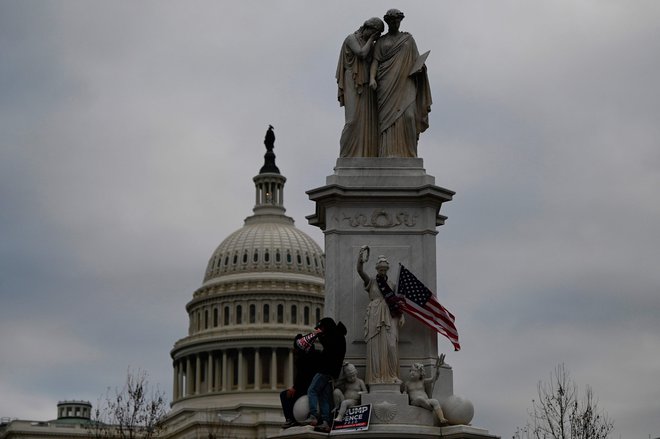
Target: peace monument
{"type": "Point", "coordinates": [380, 201]}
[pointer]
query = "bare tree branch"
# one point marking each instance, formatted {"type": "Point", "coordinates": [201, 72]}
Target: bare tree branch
{"type": "Point", "coordinates": [131, 412]}
{"type": "Point", "coordinates": [559, 413]}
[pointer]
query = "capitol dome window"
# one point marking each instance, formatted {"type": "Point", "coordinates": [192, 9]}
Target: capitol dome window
{"type": "Point", "coordinates": [245, 257]}
{"type": "Point", "coordinates": [239, 314]}
{"type": "Point", "coordinates": [225, 320]}
{"type": "Point", "coordinates": [298, 258]}
{"type": "Point", "coordinates": [288, 257]}
{"type": "Point", "coordinates": [280, 313]}
{"type": "Point", "coordinates": [206, 319]}
{"type": "Point", "coordinates": [266, 256]}
{"type": "Point", "coordinates": [278, 256]}
{"type": "Point", "coordinates": [306, 316]}
{"type": "Point", "coordinates": [266, 313]}
{"type": "Point", "coordinates": [253, 314]}
{"type": "Point", "coordinates": [294, 314]}
{"type": "Point", "coordinates": [255, 257]}
{"type": "Point", "coordinates": [215, 317]}
{"type": "Point", "coordinates": [235, 258]}
{"type": "Point", "coordinates": [226, 260]}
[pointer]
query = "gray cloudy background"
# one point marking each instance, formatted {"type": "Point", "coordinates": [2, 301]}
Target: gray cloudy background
{"type": "Point", "coordinates": [130, 132]}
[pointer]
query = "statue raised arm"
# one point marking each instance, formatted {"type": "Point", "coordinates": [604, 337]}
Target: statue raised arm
{"type": "Point", "coordinates": [363, 256]}
{"type": "Point", "coordinates": [417, 387]}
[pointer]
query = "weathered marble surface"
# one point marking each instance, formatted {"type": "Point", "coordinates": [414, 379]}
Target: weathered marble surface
{"type": "Point", "coordinates": [403, 94]}
{"type": "Point", "coordinates": [393, 205]}
{"type": "Point", "coordinates": [359, 138]}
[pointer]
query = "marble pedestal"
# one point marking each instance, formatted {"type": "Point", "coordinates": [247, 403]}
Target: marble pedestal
{"type": "Point", "coordinates": [392, 431]}
{"type": "Point", "coordinates": [392, 205]}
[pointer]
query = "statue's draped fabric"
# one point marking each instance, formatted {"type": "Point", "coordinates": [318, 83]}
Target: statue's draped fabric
{"type": "Point", "coordinates": [381, 334]}
{"type": "Point", "coordinates": [359, 137]}
{"type": "Point", "coordinates": [404, 96]}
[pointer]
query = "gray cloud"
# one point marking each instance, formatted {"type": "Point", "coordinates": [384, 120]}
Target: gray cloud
{"type": "Point", "coordinates": [130, 133]}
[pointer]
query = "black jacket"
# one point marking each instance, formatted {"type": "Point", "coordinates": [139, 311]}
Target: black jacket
{"type": "Point", "coordinates": [333, 340]}
{"type": "Point", "coordinates": [306, 365]}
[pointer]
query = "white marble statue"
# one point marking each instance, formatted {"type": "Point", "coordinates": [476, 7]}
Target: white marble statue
{"type": "Point", "coordinates": [359, 137]}
{"type": "Point", "coordinates": [398, 74]}
{"type": "Point", "coordinates": [381, 323]}
{"type": "Point", "coordinates": [348, 390]}
{"type": "Point", "coordinates": [419, 388]}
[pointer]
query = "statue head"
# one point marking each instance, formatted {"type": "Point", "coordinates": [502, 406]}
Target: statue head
{"type": "Point", "coordinates": [382, 265]}
{"type": "Point", "coordinates": [374, 24]}
{"type": "Point", "coordinates": [392, 15]}
{"type": "Point", "coordinates": [350, 372]}
{"type": "Point", "coordinates": [417, 371]}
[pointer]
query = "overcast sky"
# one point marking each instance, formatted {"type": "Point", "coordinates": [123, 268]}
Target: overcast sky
{"type": "Point", "coordinates": [130, 133]}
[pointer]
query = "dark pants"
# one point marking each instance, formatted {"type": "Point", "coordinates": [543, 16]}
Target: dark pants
{"type": "Point", "coordinates": [320, 396]}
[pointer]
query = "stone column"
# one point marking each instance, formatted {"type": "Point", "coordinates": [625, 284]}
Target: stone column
{"type": "Point", "coordinates": [241, 371]}
{"type": "Point", "coordinates": [217, 363]}
{"type": "Point", "coordinates": [189, 376]}
{"type": "Point", "coordinates": [290, 370]}
{"type": "Point", "coordinates": [180, 379]}
{"type": "Point", "coordinates": [224, 371]}
{"type": "Point", "coordinates": [273, 368]}
{"type": "Point", "coordinates": [175, 380]}
{"type": "Point", "coordinates": [209, 373]}
{"type": "Point", "coordinates": [257, 369]}
{"type": "Point", "coordinates": [198, 374]}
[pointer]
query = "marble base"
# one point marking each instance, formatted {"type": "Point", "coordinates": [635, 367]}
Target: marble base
{"type": "Point", "coordinates": [393, 431]}
{"type": "Point", "coordinates": [393, 408]}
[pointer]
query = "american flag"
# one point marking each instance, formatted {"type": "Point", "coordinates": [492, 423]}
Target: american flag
{"type": "Point", "coordinates": [421, 304]}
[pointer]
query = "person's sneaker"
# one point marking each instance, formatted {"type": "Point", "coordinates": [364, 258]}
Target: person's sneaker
{"type": "Point", "coordinates": [311, 420]}
{"type": "Point", "coordinates": [290, 423]}
{"type": "Point", "coordinates": [323, 428]}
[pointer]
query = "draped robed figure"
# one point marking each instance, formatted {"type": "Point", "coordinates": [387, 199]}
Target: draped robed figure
{"type": "Point", "coordinates": [381, 323]}
{"type": "Point", "coordinates": [398, 74]}
{"type": "Point", "coordinates": [359, 138]}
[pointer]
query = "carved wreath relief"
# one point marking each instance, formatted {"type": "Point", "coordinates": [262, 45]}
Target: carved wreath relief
{"type": "Point", "coordinates": [381, 219]}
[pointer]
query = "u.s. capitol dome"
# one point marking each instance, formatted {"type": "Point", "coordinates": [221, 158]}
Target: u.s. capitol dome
{"type": "Point", "coordinates": [263, 284]}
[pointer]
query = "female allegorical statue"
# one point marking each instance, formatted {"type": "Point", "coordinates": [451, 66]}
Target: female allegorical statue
{"type": "Point", "coordinates": [381, 323]}
{"type": "Point", "coordinates": [398, 75]}
{"type": "Point", "coordinates": [359, 137]}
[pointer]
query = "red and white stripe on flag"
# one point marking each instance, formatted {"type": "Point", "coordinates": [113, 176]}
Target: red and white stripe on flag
{"type": "Point", "coordinates": [421, 304]}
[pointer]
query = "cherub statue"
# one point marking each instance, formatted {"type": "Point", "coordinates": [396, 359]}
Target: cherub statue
{"type": "Point", "coordinates": [347, 392]}
{"type": "Point", "coordinates": [419, 388]}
